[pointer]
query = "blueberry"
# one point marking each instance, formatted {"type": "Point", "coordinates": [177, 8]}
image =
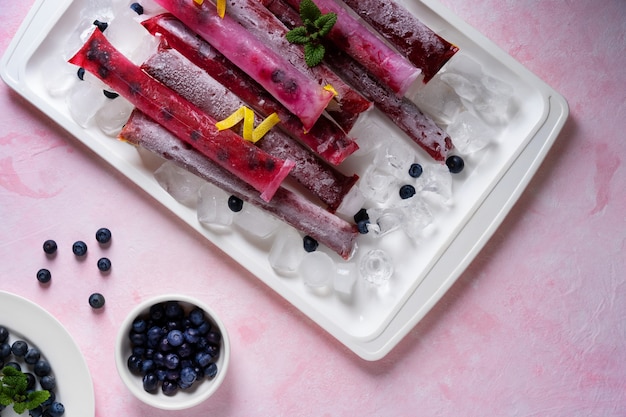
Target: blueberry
{"type": "Point", "coordinates": [96, 300]}
{"type": "Point", "coordinates": [196, 316]}
{"type": "Point", "coordinates": [32, 356]}
{"type": "Point", "coordinates": [455, 164]}
{"type": "Point", "coordinates": [362, 226]}
{"type": "Point", "coordinates": [203, 359]}
{"type": "Point", "coordinates": [214, 337]}
{"type": "Point", "coordinates": [235, 203]}
{"type": "Point", "coordinates": [169, 388]}
{"type": "Point", "coordinates": [19, 348]}
{"type": "Point", "coordinates": [134, 364]}
{"type": "Point", "coordinates": [5, 350]}
{"type": "Point", "coordinates": [175, 338]}
{"type": "Point", "coordinates": [36, 412]}
{"type": "Point", "coordinates": [103, 235]}
{"type": "Point", "coordinates": [185, 350]}
{"type": "Point", "coordinates": [210, 371]}
{"type": "Point", "coordinates": [188, 375]}
{"type": "Point", "coordinates": [101, 25]}
{"type": "Point", "coordinates": [4, 334]}
{"type": "Point", "coordinates": [49, 246]}
{"type": "Point", "coordinates": [44, 276]}
{"type": "Point", "coordinates": [138, 339]}
{"type": "Point", "coordinates": [171, 361]}
{"type": "Point", "coordinates": [42, 368]}
{"type": "Point", "coordinates": [407, 191]}
{"type": "Point", "coordinates": [80, 73]}
{"type": "Point", "coordinates": [415, 170]}
{"type": "Point", "coordinates": [310, 244]}
{"type": "Point", "coordinates": [15, 365]}
{"type": "Point", "coordinates": [104, 264]}
{"type": "Point", "coordinates": [173, 310]}
{"type": "Point", "coordinates": [157, 312]}
{"type": "Point", "coordinates": [155, 333]}
{"type": "Point", "coordinates": [204, 328]}
{"type": "Point", "coordinates": [140, 325]}
{"type": "Point", "coordinates": [191, 335]}
{"type": "Point", "coordinates": [48, 382]}
{"type": "Point", "coordinates": [137, 8]}
{"type": "Point", "coordinates": [148, 366]}
{"type": "Point", "coordinates": [56, 409]}
{"type": "Point", "coordinates": [150, 382]}
{"type": "Point", "coordinates": [79, 248]}
{"type": "Point", "coordinates": [110, 94]}
{"type": "Point", "coordinates": [361, 215]}
{"type": "Point", "coordinates": [31, 380]}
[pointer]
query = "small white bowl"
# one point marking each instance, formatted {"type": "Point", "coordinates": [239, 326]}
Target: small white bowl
{"type": "Point", "coordinates": [182, 399]}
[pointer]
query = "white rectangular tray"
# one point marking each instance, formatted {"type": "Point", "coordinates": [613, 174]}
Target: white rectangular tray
{"type": "Point", "coordinates": [373, 320]}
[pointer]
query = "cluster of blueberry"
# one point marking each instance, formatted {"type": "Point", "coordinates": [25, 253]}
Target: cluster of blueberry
{"type": "Point", "coordinates": [79, 248]}
{"type": "Point", "coordinates": [41, 372]}
{"type": "Point", "coordinates": [172, 349]}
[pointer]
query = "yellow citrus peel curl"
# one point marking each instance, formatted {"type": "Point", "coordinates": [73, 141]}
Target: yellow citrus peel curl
{"type": "Point", "coordinates": [250, 133]}
{"type": "Point", "coordinates": [221, 6]}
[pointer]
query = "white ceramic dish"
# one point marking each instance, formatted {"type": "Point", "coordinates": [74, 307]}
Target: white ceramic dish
{"type": "Point", "coordinates": [372, 320]}
{"type": "Point", "coordinates": [182, 399]}
{"type": "Point", "coordinates": [27, 321]}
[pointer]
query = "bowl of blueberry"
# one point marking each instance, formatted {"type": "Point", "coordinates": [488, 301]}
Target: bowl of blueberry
{"type": "Point", "coordinates": [172, 352]}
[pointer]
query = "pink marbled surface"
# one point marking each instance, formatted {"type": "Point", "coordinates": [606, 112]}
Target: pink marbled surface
{"type": "Point", "coordinates": [535, 327]}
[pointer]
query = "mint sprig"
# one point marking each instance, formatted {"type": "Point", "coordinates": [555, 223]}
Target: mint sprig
{"type": "Point", "coordinates": [315, 26]}
{"type": "Point", "coordinates": [13, 384]}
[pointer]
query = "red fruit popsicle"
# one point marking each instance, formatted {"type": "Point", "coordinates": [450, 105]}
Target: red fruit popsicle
{"type": "Point", "coordinates": [391, 68]}
{"type": "Point", "coordinates": [195, 85]}
{"type": "Point", "coordinates": [302, 95]}
{"type": "Point", "coordinates": [326, 139]}
{"type": "Point", "coordinates": [241, 158]}
{"type": "Point", "coordinates": [328, 229]}
{"type": "Point", "coordinates": [423, 47]}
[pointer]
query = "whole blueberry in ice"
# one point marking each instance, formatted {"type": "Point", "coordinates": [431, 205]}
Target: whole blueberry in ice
{"type": "Point", "coordinates": [235, 203]}
{"type": "Point", "coordinates": [415, 170]}
{"type": "Point", "coordinates": [137, 8]}
{"type": "Point", "coordinates": [407, 191]}
{"type": "Point", "coordinates": [455, 164]}
{"type": "Point", "coordinates": [310, 244]}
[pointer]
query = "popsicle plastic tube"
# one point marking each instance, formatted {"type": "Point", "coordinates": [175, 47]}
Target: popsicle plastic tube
{"type": "Point", "coordinates": [409, 35]}
{"type": "Point", "coordinates": [400, 110]}
{"type": "Point", "coordinates": [300, 94]}
{"type": "Point", "coordinates": [295, 210]}
{"type": "Point", "coordinates": [262, 171]}
{"type": "Point", "coordinates": [326, 139]}
{"type": "Point", "coordinates": [175, 71]}
{"type": "Point", "coordinates": [347, 104]}
{"type": "Point", "coordinates": [352, 37]}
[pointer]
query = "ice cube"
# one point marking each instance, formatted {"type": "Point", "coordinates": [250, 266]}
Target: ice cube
{"type": "Point", "coordinates": [466, 88]}
{"type": "Point", "coordinates": [368, 134]}
{"type": "Point", "coordinates": [286, 252]}
{"type": "Point", "coordinates": [495, 105]}
{"type": "Point", "coordinates": [112, 116]}
{"type": "Point", "coordinates": [83, 101]}
{"type": "Point", "coordinates": [376, 184]}
{"type": "Point", "coordinates": [384, 220]}
{"type": "Point", "coordinates": [435, 183]}
{"type": "Point", "coordinates": [255, 221]}
{"type": "Point", "coordinates": [469, 133]}
{"type": "Point", "coordinates": [345, 277]}
{"type": "Point", "coordinates": [395, 157]}
{"type": "Point", "coordinates": [179, 183]}
{"type": "Point", "coordinates": [58, 82]}
{"type": "Point", "coordinates": [317, 270]}
{"type": "Point", "coordinates": [352, 202]}
{"type": "Point", "coordinates": [417, 218]}
{"type": "Point", "coordinates": [212, 208]}
{"type": "Point", "coordinates": [439, 100]}
{"type": "Point", "coordinates": [376, 267]}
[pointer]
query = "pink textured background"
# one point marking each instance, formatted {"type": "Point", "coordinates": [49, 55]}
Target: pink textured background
{"type": "Point", "coordinates": [535, 327]}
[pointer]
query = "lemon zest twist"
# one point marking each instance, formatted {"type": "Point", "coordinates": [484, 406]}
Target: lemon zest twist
{"type": "Point", "coordinates": [250, 133]}
{"type": "Point", "coordinates": [198, 2]}
{"type": "Point", "coordinates": [330, 88]}
{"type": "Point", "coordinates": [221, 8]}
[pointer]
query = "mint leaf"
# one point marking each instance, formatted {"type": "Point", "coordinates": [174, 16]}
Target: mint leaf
{"type": "Point", "coordinates": [19, 407]}
{"type": "Point", "coordinates": [35, 398]}
{"type": "Point", "coordinates": [325, 23]}
{"type": "Point", "coordinates": [313, 54]}
{"type": "Point", "coordinates": [298, 36]}
{"type": "Point", "coordinates": [5, 399]}
{"type": "Point", "coordinates": [315, 26]}
{"type": "Point", "coordinates": [309, 11]}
